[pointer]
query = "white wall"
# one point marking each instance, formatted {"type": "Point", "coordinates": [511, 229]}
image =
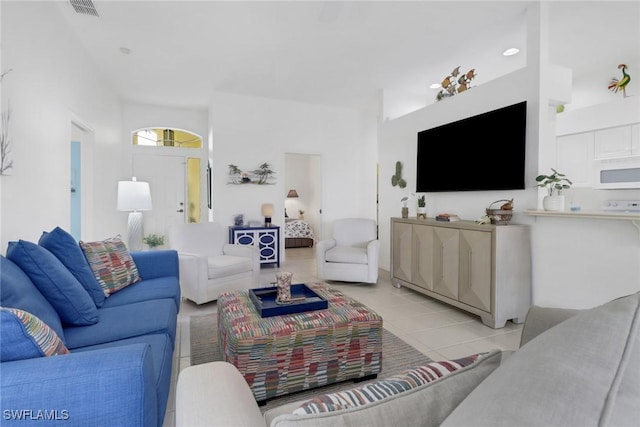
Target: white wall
{"type": "Point", "coordinates": [585, 262]}
{"type": "Point", "coordinates": [248, 131]}
{"type": "Point", "coordinates": [52, 81]}
{"type": "Point", "coordinates": [591, 89]}
{"type": "Point", "coordinates": [398, 142]}
{"type": "Point", "coordinates": [575, 262]}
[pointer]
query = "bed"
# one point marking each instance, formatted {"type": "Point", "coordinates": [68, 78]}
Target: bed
{"type": "Point", "coordinates": [298, 234]}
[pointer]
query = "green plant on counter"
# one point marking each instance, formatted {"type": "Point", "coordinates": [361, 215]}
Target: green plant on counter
{"type": "Point", "coordinates": [422, 202]}
{"type": "Point", "coordinates": [554, 183]}
{"type": "Point", "coordinates": [153, 240]}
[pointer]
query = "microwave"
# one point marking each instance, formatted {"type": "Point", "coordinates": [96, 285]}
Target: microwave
{"type": "Point", "coordinates": [617, 173]}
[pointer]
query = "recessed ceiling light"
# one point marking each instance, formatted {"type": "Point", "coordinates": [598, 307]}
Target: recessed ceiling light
{"type": "Point", "coordinates": [434, 86]}
{"type": "Point", "coordinates": [125, 50]}
{"type": "Point", "coordinates": [511, 51]}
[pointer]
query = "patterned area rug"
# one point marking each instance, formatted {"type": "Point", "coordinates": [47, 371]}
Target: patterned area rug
{"type": "Point", "coordinates": [397, 356]}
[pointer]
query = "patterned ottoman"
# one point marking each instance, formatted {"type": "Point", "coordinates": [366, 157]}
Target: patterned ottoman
{"type": "Point", "coordinates": [284, 354]}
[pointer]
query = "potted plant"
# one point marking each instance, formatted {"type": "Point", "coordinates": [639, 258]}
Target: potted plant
{"type": "Point", "coordinates": [422, 207]}
{"type": "Point", "coordinates": [405, 208]}
{"type": "Point", "coordinates": [555, 184]}
{"type": "Point", "coordinates": [153, 240]}
{"type": "Point", "coordinates": [301, 212]}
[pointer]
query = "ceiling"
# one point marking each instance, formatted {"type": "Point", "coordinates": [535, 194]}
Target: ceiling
{"type": "Point", "coordinates": [334, 52]}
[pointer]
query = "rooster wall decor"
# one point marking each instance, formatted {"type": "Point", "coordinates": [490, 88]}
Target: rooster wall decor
{"type": "Point", "coordinates": [616, 85]}
{"type": "Point", "coordinates": [455, 82]}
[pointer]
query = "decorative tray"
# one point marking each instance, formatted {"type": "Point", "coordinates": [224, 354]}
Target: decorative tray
{"type": "Point", "coordinates": [303, 298]}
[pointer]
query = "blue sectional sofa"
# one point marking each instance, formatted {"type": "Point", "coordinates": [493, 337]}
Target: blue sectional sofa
{"type": "Point", "coordinates": [118, 349]}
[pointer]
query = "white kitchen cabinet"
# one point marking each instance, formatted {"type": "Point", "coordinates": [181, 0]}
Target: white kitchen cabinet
{"type": "Point", "coordinates": [575, 158]}
{"type": "Point", "coordinates": [613, 142]}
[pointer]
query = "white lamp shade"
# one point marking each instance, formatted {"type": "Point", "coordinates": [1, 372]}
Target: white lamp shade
{"type": "Point", "coordinates": [267, 210]}
{"type": "Point", "coordinates": [134, 196]}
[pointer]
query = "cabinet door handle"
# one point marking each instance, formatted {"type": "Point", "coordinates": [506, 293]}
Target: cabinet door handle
{"type": "Point", "coordinates": [180, 210]}
{"type": "Point", "coordinates": [441, 263]}
{"type": "Point", "coordinates": [469, 255]}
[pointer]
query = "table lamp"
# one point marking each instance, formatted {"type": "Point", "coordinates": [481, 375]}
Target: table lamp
{"type": "Point", "coordinates": [267, 213]}
{"type": "Point", "coordinates": [134, 196]}
{"type": "Point", "coordinates": [292, 193]}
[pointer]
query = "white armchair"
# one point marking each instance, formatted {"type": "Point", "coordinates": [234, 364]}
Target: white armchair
{"type": "Point", "coordinates": [352, 254]}
{"type": "Point", "coordinates": [209, 265]}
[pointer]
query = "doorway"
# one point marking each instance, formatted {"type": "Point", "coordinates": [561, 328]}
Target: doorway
{"type": "Point", "coordinates": [75, 220]}
{"type": "Point", "coordinates": [303, 173]}
{"type": "Point", "coordinates": [166, 176]}
{"type": "Point", "coordinates": [80, 178]}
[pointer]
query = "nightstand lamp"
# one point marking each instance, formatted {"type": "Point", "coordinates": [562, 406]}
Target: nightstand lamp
{"type": "Point", "coordinates": [267, 213]}
{"type": "Point", "coordinates": [134, 196]}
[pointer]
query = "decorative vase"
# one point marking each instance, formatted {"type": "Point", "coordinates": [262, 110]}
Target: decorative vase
{"type": "Point", "coordinates": [553, 203]}
{"type": "Point", "coordinates": [422, 212]}
{"type": "Point", "coordinates": [405, 212]}
{"type": "Point", "coordinates": [283, 283]}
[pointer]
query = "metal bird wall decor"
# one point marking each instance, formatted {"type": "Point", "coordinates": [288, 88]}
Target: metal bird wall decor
{"type": "Point", "coordinates": [456, 82]}
{"type": "Point", "coordinates": [620, 85]}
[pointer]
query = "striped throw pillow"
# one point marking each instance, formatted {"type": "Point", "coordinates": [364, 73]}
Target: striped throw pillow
{"type": "Point", "coordinates": [380, 390]}
{"type": "Point", "coordinates": [25, 336]}
{"type": "Point", "coordinates": [111, 263]}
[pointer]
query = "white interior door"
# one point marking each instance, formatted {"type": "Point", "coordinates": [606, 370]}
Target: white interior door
{"type": "Point", "coordinates": [166, 178]}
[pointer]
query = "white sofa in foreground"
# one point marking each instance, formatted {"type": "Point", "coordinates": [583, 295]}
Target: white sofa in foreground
{"type": "Point", "coordinates": [574, 368]}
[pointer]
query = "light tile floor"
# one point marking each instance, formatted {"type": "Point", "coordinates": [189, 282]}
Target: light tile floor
{"type": "Point", "coordinates": [438, 330]}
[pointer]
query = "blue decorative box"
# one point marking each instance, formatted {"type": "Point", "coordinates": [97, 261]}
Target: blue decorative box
{"type": "Point", "coordinates": [303, 299]}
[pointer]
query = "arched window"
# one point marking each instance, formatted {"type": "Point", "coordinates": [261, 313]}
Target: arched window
{"type": "Point", "coordinates": [166, 137]}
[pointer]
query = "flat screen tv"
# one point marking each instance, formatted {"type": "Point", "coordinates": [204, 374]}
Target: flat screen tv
{"type": "Point", "coordinates": [480, 153]}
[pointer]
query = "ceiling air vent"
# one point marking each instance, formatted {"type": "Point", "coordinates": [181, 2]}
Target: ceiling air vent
{"type": "Point", "coordinates": [84, 7]}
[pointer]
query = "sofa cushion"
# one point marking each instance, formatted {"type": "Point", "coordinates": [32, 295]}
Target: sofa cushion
{"type": "Point", "coordinates": [18, 291]}
{"type": "Point", "coordinates": [425, 405]}
{"type": "Point", "coordinates": [347, 254]}
{"type": "Point", "coordinates": [583, 371]}
{"type": "Point", "coordinates": [111, 264]}
{"type": "Point", "coordinates": [68, 251]}
{"type": "Point", "coordinates": [227, 265]}
{"type": "Point", "coordinates": [145, 290]}
{"type": "Point", "coordinates": [126, 321]}
{"type": "Point", "coordinates": [158, 263]}
{"type": "Point", "coordinates": [24, 336]}
{"type": "Point", "coordinates": [55, 282]}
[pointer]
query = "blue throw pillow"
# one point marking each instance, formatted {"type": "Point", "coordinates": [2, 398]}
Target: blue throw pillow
{"type": "Point", "coordinates": [17, 290]}
{"type": "Point", "coordinates": [68, 251]}
{"type": "Point", "coordinates": [55, 282]}
{"type": "Point", "coordinates": [25, 336]}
